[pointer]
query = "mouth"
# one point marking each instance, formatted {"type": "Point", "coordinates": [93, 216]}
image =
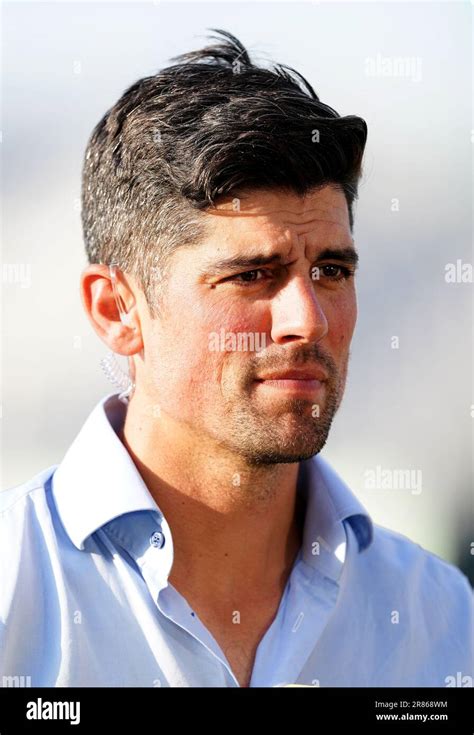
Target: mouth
{"type": "Point", "coordinates": [307, 382]}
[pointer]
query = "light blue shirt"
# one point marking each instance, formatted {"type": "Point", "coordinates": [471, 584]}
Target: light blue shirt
{"type": "Point", "coordinates": [85, 555]}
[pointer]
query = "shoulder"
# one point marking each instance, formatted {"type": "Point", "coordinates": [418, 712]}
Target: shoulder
{"type": "Point", "coordinates": [412, 610]}
{"type": "Point", "coordinates": [26, 523]}
{"type": "Point", "coordinates": [24, 502]}
{"type": "Point", "coordinates": [418, 575]}
{"type": "Point", "coordinates": [11, 498]}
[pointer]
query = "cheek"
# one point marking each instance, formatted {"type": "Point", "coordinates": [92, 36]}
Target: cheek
{"type": "Point", "coordinates": [220, 324]}
{"type": "Point", "coordinates": [341, 314]}
{"type": "Point", "coordinates": [186, 359]}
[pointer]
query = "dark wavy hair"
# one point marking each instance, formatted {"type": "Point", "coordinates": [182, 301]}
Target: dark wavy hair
{"type": "Point", "coordinates": [212, 125]}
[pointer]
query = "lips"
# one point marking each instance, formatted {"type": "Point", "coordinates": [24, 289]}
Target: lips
{"type": "Point", "coordinates": [318, 375]}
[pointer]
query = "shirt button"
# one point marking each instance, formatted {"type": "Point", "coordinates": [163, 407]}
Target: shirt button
{"type": "Point", "coordinates": [157, 539]}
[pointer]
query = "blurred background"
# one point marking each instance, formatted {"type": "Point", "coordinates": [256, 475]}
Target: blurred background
{"type": "Point", "coordinates": [406, 69]}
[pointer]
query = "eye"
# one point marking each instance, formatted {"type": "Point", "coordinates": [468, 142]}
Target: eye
{"type": "Point", "coordinates": [336, 272]}
{"type": "Point", "coordinates": [247, 277]}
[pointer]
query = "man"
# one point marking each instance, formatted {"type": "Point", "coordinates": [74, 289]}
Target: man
{"type": "Point", "coordinates": [192, 535]}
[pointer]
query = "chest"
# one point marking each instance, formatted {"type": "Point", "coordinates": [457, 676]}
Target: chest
{"type": "Point", "coordinates": [241, 657]}
{"type": "Point", "coordinates": [238, 633]}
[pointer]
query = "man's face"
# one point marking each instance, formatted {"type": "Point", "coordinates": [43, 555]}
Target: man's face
{"type": "Point", "coordinates": [225, 327]}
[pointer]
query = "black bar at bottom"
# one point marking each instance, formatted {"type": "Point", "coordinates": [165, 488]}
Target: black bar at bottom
{"type": "Point", "coordinates": [308, 709]}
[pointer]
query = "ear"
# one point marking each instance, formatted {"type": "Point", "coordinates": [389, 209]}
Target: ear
{"type": "Point", "coordinates": [123, 336]}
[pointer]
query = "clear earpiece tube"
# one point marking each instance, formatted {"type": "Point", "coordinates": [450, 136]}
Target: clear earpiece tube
{"type": "Point", "coordinates": [112, 370]}
{"type": "Point", "coordinates": [118, 377]}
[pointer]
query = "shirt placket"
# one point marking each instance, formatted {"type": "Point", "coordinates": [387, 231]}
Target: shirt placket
{"type": "Point", "coordinates": [151, 547]}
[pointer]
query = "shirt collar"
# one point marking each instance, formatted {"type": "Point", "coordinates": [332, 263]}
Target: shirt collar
{"type": "Point", "coordinates": [97, 482]}
{"type": "Point", "coordinates": [329, 504]}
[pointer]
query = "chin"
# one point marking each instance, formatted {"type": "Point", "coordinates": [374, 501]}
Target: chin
{"type": "Point", "coordinates": [283, 455]}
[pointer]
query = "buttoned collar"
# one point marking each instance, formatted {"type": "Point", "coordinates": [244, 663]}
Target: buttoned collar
{"type": "Point", "coordinates": [97, 482]}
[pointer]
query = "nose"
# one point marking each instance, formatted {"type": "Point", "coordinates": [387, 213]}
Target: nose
{"type": "Point", "coordinates": [297, 314]}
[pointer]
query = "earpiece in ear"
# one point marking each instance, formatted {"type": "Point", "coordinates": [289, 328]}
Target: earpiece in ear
{"type": "Point", "coordinates": [124, 317]}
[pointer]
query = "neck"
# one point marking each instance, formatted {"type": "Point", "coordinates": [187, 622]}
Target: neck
{"type": "Point", "coordinates": [235, 527]}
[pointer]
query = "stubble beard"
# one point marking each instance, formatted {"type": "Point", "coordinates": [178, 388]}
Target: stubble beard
{"type": "Point", "coordinates": [286, 431]}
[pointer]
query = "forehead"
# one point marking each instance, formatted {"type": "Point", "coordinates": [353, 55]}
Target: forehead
{"type": "Point", "coordinates": [267, 219]}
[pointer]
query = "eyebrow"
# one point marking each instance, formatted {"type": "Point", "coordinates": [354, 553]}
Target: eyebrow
{"type": "Point", "coordinates": [345, 255]}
